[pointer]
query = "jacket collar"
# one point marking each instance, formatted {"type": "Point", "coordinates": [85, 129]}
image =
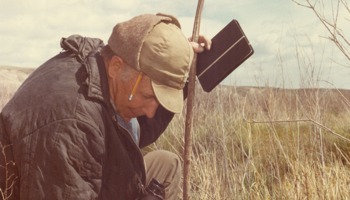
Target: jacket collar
{"type": "Point", "coordinates": [97, 81]}
{"type": "Point", "coordinates": [86, 50]}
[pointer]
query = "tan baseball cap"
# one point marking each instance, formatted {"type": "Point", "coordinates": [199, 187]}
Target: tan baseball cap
{"type": "Point", "coordinates": [156, 46]}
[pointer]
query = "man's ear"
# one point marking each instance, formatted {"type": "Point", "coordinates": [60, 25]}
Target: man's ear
{"type": "Point", "coordinates": [114, 65]}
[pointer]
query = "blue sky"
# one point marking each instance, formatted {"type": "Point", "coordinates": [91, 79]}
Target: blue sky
{"type": "Point", "coordinates": [289, 48]}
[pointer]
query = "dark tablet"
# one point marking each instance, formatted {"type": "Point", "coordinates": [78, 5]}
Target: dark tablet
{"type": "Point", "coordinates": [230, 48]}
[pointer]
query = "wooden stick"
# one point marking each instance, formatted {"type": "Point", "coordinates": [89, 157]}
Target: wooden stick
{"type": "Point", "coordinates": [190, 100]}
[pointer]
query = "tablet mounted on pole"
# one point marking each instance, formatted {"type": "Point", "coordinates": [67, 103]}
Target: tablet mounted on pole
{"type": "Point", "coordinates": [230, 48]}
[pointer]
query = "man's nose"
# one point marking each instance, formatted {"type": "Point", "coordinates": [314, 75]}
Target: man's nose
{"type": "Point", "coordinates": [151, 109]}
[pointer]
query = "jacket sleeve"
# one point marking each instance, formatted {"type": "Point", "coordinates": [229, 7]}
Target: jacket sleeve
{"type": "Point", "coordinates": [64, 161]}
{"type": "Point", "coordinates": [152, 128]}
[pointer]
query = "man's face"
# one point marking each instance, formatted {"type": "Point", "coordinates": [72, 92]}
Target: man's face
{"type": "Point", "coordinates": [144, 101]}
{"type": "Point", "coordinates": [121, 81]}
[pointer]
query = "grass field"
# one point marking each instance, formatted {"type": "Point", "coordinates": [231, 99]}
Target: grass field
{"type": "Point", "coordinates": [262, 143]}
{"type": "Point", "coordinates": [267, 143]}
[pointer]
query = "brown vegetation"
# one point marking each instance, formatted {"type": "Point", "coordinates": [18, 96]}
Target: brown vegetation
{"type": "Point", "coordinates": [267, 143]}
{"type": "Point", "coordinates": [261, 143]}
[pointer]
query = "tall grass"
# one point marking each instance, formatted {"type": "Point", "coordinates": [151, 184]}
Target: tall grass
{"type": "Point", "coordinates": [267, 143]}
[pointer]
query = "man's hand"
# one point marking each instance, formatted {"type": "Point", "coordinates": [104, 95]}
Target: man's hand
{"type": "Point", "coordinates": [203, 43]}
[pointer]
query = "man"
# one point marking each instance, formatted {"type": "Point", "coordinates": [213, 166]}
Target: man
{"type": "Point", "coordinates": [75, 127]}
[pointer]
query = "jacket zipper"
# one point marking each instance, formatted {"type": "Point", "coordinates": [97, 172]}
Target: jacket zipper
{"type": "Point", "coordinates": [141, 187]}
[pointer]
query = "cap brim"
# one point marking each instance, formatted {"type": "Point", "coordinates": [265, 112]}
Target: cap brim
{"type": "Point", "coordinates": [170, 98]}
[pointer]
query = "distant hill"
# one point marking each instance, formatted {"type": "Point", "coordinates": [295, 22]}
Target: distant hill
{"type": "Point", "coordinates": [260, 97]}
{"type": "Point", "coordinates": [10, 79]}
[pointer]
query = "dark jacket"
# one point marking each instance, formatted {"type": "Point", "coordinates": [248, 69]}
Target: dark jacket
{"type": "Point", "coordinates": [63, 136]}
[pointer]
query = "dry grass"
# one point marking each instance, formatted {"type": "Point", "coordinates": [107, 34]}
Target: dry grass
{"type": "Point", "coordinates": [8, 176]}
{"type": "Point", "coordinates": [267, 143]}
{"type": "Point", "coordinates": [263, 143]}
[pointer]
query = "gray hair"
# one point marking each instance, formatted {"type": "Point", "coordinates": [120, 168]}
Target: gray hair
{"type": "Point", "coordinates": [107, 53]}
